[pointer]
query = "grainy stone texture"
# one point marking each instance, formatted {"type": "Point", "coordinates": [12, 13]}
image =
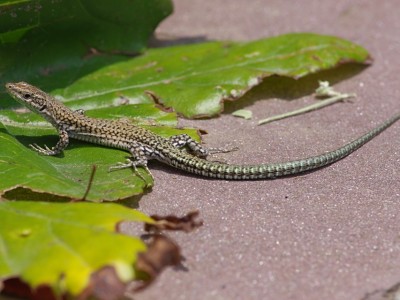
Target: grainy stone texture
{"type": "Point", "coordinates": [330, 234]}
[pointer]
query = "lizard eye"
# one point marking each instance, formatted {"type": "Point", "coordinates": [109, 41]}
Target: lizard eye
{"type": "Point", "coordinates": [27, 96]}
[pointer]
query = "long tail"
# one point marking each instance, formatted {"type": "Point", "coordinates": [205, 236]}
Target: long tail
{"type": "Point", "coordinates": [268, 171]}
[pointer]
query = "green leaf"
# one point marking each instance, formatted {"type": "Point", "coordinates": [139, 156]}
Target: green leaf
{"type": "Point", "coordinates": [68, 175]}
{"type": "Point", "coordinates": [195, 79]}
{"type": "Point", "coordinates": [53, 43]}
{"type": "Point", "coordinates": [61, 245]}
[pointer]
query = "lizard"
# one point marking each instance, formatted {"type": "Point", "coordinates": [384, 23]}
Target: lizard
{"type": "Point", "coordinates": [144, 145]}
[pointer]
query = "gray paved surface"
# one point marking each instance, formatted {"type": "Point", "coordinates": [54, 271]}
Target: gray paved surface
{"type": "Point", "coordinates": [331, 234]}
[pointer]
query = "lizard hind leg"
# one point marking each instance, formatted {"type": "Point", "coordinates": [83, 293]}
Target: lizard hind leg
{"type": "Point", "coordinates": [182, 140]}
{"type": "Point", "coordinates": [138, 159]}
{"type": "Point", "coordinates": [131, 162]}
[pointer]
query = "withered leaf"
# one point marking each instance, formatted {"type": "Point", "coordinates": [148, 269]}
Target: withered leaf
{"type": "Point", "coordinates": [162, 252]}
{"type": "Point", "coordinates": [104, 285]}
{"type": "Point", "coordinates": [186, 223]}
{"type": "Point", "coordinates": [15, 287]}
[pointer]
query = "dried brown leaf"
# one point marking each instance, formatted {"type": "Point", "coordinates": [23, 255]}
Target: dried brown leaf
{"type": "Point", "coordinates": [104, 285]}
{"type": "Point", "coordinates": [171, 222]}
{"type": "Point", "coordinates": [15, 287]}
{"type": "Point", "coordinates": [162, 252]}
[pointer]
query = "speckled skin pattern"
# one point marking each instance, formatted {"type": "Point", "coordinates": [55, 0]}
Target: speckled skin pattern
{"type": "Point", "coordinates": [144, 145]}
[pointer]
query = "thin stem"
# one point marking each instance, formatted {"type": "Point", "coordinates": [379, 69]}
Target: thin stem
{"type": "Point", "coordinates": [323, 90]}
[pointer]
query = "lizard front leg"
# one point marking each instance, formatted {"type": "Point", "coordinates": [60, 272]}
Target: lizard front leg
{"type": "Point", "coordinates": [58, 148]}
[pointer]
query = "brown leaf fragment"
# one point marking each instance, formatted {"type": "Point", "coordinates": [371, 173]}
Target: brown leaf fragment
{"type": "Point", "coordinates": [186, 223]}
{"type": "Point", "coordinates": [202, 131]}
{"type": "Point", "coordinates": [161, 252]}
{"type": "Point", "coordinates": [94, 167]}
{"type": "Point", "coordinates": [104, 285]}
{"type": "Point", "coordinates": [15, 287]}
{"type": "Point", "coordinates": [157, 100]}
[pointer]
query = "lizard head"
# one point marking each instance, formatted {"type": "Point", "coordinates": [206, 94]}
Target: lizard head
{"type": "Point", "coordinates": [28, 95]}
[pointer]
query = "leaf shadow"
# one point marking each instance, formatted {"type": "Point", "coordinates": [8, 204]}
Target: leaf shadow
{"type": "Point", "coordinates": [49, 140]}
{"type": "Point", "coordinates": [286, 88]}
{"type": "Point", "coordinates": [167, 41]}
{"type": "Point", "coordinates": [19, 193]}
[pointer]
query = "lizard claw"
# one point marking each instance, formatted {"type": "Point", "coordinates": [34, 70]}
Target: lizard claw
{"type": "Point", "coordinates": [222, 150]}
{"type": "Point", "coordinates": [45, 151]}
{"type": "Point", "coordinates": [132, 164]}
{"type": "Point", "coordinates": [120, 165]}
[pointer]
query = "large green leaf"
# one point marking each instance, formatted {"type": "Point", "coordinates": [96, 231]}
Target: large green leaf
{"type": "Point", "coordinates": [68, 175]}
{"type": "Point", "coordinates": [62, 245]}
{"type": "Point", "coordinates": [195, 79]}
{"type": "Point", "coordinates": [53, 43]}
